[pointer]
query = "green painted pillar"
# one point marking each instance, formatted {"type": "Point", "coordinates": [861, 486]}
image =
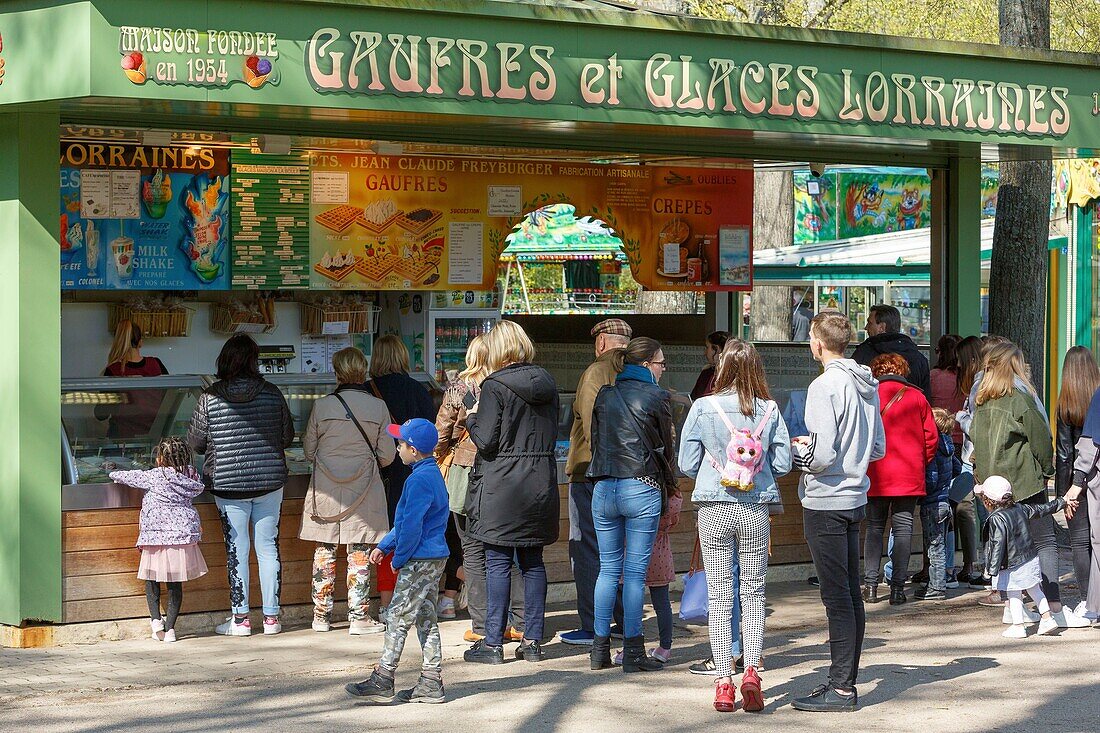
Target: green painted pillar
{"type": "Point", "coordinates": [957, 245]}
{"type": "Point", "coordinates": [30, 372]}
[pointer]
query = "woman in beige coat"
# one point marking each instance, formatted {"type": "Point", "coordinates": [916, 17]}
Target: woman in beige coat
{"type": "Point", "coordinates": [346, 502]}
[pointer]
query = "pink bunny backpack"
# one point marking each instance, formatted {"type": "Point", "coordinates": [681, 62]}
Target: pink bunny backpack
{"type": "Point", "coordinates": [744, 452]}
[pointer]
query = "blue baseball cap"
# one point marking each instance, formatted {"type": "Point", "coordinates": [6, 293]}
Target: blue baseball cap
{"type": "Point", "coordinates": [418, 432]}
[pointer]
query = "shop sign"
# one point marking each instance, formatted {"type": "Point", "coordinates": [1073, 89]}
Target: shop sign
{"type": "Point", "coordinates": [679, 81]}
{"type": "Point", "coordinates": [433, 223]}
{"type": "Point", "coordinates": [144, 218]}
{"type": "Point", "coordinates": [210, 58]}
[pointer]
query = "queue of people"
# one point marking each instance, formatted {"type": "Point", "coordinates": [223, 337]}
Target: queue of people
{"type": "Point", "coordinates": [477, 499]}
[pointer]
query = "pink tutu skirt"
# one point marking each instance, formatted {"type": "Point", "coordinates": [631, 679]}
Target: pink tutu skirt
{"type": "Point", "coordinates": [171, 563]}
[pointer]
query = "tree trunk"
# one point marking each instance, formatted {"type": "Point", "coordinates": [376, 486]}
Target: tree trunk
{"type": "Point", "coordinates": [659, 301]}
{"type": "Point", "coordinates": [1018, 269]}
{"type": "Point", "coordinates": [772, 227]}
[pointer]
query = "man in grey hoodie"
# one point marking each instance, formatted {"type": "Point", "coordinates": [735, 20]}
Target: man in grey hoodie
{"type": "Point", "coordinates": [846, 434]}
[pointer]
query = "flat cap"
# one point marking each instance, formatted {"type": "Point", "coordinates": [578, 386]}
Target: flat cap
{"type": "Point", "coordinates": [613, 326]}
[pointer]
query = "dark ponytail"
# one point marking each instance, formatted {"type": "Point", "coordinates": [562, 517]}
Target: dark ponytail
{"type": "Point", "coordinates": [637, 351]}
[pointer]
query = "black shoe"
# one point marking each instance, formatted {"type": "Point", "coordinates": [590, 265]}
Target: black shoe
{"type": "Point", "coordinates": [920, 578]}
{"type": "Point", "coordinates": [929, 594]}
{"type": "Point", "coordinates": [705, 667]}
{"type": "Point", "coordinates": [530, 651]}
{"type": "Point", "coordinates": [616, 631]}
{"type": "Point", "coordinates": [427, 690]}
{"type": "Point", "coordinates": [897, 595]}
{"type": "Point", "coordinates": [825, 699]}
{"type": "Point", "coordinates": [599, 656]}
{"type": "Point", "coordinates": [482, 653]}
{"type": "Point", "coordinates": [870, 593]}
{"type": "Point", "coordinates": [377, 688]}
{"type": "Point", "coordinates": [635, 658]}
{"type": "Point", "coordinates": [813, 580]}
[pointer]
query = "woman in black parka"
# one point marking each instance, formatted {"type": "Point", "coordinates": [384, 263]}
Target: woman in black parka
{"type": "Point", "coordinates": [512, 504]}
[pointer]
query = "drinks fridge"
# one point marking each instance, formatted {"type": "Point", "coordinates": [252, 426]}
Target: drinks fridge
{"type": "Point", "coordinates": [454, 319]}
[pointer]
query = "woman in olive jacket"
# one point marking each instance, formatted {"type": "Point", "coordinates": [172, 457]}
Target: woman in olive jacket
{"type": "Point", "coordinates": [512, 503]}
{"type": "Point", "coordinates": [1012, 439]}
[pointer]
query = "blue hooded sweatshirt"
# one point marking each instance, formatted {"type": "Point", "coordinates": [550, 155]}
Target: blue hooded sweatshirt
{"type": "Point", "coordinates": [420, 525]}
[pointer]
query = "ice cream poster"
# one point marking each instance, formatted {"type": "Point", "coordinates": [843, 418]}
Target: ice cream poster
{"type": "Point", "coordinates": [144, 218]}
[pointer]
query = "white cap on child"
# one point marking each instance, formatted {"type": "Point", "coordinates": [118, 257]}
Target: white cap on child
{"type": "Point", "coordinates": [994, 488]}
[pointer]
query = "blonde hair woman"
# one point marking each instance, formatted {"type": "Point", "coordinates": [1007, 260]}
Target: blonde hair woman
{"type": "Point", "coordinates": [1012, 439]}
{"type": "Point", "coordinates": [405, 398]}
{"type": "Point", "coordinates": [512, 505]}
{"type": "Point", "coordinates": [347, 442]}
{"type": "Point", "coordinates": [136, 414]}
{"type": "Point", "coordinates": [454, 441]}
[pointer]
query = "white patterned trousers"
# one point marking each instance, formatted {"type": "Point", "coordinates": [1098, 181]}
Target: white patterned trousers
{"type": "Point", "coordinates": [726, 528]}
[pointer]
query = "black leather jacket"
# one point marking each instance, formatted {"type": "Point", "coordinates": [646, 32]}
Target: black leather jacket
{"type": "Point", "coordinates": [1065, 455]}
{"type": "Point", "coordinates": [632, 432]}
{"type": "Point", "coordinates": [243, 426]}
{"type": "Point", "coordinates": [1007, 538]}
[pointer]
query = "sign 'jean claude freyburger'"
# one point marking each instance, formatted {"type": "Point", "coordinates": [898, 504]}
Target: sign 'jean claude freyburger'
{"type": "Point", "coordinates": [373, 63]}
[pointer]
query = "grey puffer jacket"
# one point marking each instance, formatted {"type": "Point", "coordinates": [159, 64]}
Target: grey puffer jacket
{"type": "Point", "coordinates": [243, 426]}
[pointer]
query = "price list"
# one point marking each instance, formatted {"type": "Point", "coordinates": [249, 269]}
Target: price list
{"type": "Point", "coordinates": [270, 221]}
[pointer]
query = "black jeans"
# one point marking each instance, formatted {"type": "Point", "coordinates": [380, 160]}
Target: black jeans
{"type": "Point", "coordinates": [1042, 536]}
{"type": "Point", "coordinates": [833, 537]}
{"type": "Point", "coordinates": [1080, 544]}
{"type": "Point", "coordinates": [880, 509]}
{"type": "Point", "coordinates": [584, 553]}
{"type": "Point", "coordinates": [498, 570]}
{"type": "Point", "coordinates": [473, 565]}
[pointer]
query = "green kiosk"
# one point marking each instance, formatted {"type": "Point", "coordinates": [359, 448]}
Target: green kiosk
{"type": "Point", "coordinates": [131, 131]}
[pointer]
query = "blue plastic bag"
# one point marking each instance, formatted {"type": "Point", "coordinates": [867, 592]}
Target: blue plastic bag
{"type": "Point", "coordinates": [695, 603]}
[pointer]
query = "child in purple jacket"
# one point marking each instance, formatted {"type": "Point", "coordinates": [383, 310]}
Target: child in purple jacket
{"type": "Point", "coordinates": [169, 530]}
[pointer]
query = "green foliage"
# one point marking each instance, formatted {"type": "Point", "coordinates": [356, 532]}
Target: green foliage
{"type": "Point", "coordinates": [1075, 25]}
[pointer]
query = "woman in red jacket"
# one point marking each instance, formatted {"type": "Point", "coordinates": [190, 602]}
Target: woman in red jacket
{"type": "Point", "coordinates": [897, 481]}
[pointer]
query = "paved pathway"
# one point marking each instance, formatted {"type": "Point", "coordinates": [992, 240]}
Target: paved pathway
{"type": "Point", "coordinates": [926, 667]}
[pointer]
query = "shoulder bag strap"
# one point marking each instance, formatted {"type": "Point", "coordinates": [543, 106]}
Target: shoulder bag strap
{"type": "Point", "coordinates": [893, 400]}
{"type": "Point", "coordinates": [362, 496]}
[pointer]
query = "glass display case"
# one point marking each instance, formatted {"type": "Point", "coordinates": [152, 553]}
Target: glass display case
{"type": "Point", "coordinates": [113, 423]}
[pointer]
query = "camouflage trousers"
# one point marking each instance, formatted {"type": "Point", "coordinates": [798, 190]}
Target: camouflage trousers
{"type": "Point", "coordinates": [414, 604]}
{"type": "Point", "coordinates": [324, 580]}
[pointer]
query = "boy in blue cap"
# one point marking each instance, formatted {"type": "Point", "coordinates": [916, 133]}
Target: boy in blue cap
{"type": "Point", "coordinates": [419, 545]}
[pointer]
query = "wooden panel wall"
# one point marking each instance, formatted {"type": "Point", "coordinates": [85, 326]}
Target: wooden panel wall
{"type": "Point", "coordinates": [99, 560]}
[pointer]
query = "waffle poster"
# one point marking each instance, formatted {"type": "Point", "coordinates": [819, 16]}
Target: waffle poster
{"type": "Point", "coordinates": [144, 218]}
{"type": "Point", "coordinates": [435, 223]}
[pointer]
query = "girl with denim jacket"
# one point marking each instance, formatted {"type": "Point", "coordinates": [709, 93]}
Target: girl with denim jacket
{"type": "Point", "coordinates": [734, 526]}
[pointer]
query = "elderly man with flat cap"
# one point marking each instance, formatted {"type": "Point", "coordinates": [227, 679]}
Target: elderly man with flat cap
{"type": "Point", "coordinates": [584, 551]}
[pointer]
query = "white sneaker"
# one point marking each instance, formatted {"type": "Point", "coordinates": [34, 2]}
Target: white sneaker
{"type": "Point", "coordinates": [157, 626]}
{"type": "Point", "coordinates": [1016, 631]}
{"type": "Point", "coordinates": [1067, 619]}
{"type": "Point", "coordinates": [321, 625]}
{"type": "Point", "coordinates": [272, 625]}
{"type": "Point", "coordinates": [446, 609]}
{"type": "Point", "coordinates": [1048, 625]}
{"type": "Point", "coordinates": [1083, 611]}
{"type": "Point", "coordinates": [1029, 616]}
{"type": "Point", "coordinates": [170, 635]}
{"type": "Point", "coordinates": [232, 627]}
{"type": "Point", "coordinates": [361, 628]}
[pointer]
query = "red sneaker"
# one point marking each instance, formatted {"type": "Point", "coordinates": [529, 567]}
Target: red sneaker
{"type": "Point", "coordinates": [751, 696]}
{"type": "Point", "coordinates": [724, 697]}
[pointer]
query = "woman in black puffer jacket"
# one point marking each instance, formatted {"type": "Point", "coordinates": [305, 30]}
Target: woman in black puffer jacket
{"type": "Point", "coordinates": [512, 502]}
{"type": "Point", "coordinates": [243, 426]}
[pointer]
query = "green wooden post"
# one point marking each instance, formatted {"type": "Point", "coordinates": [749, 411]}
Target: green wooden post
{"type": "Point", "coordinates": [963, 246]}
{"type": "Point", "coordinates": [30, 373]}
{"type": "Point", "coordinates": [1084, 244]}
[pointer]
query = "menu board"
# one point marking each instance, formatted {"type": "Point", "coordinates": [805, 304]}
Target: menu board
{"type": "Point", "coordinates": [428, 223]}
{"type": "Point", "coordinates": [270, 221]}
{"type": "Point", "coordinates": [144, 218]}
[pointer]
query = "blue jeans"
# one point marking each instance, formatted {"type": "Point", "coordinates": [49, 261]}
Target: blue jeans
{"type": "Point", "coordinates": [626, 513]}
{"type": "Point", "coordinates": [262, 514]}
{"type": "Point", "coordinates": [499, 562]}
{"type": "Point", "coordinates": [933, 520]}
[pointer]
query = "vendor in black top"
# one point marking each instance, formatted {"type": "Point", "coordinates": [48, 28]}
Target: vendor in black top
{"type": "Point", "coordinates": [137, 412]}
{"type": "Point", "coordinates": [713, 346]}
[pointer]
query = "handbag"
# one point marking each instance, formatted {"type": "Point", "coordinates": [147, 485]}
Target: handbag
{"type": "Point", "coordinates": [695, 602]}
{"type": "Point", "coordinates": [363, 496]}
